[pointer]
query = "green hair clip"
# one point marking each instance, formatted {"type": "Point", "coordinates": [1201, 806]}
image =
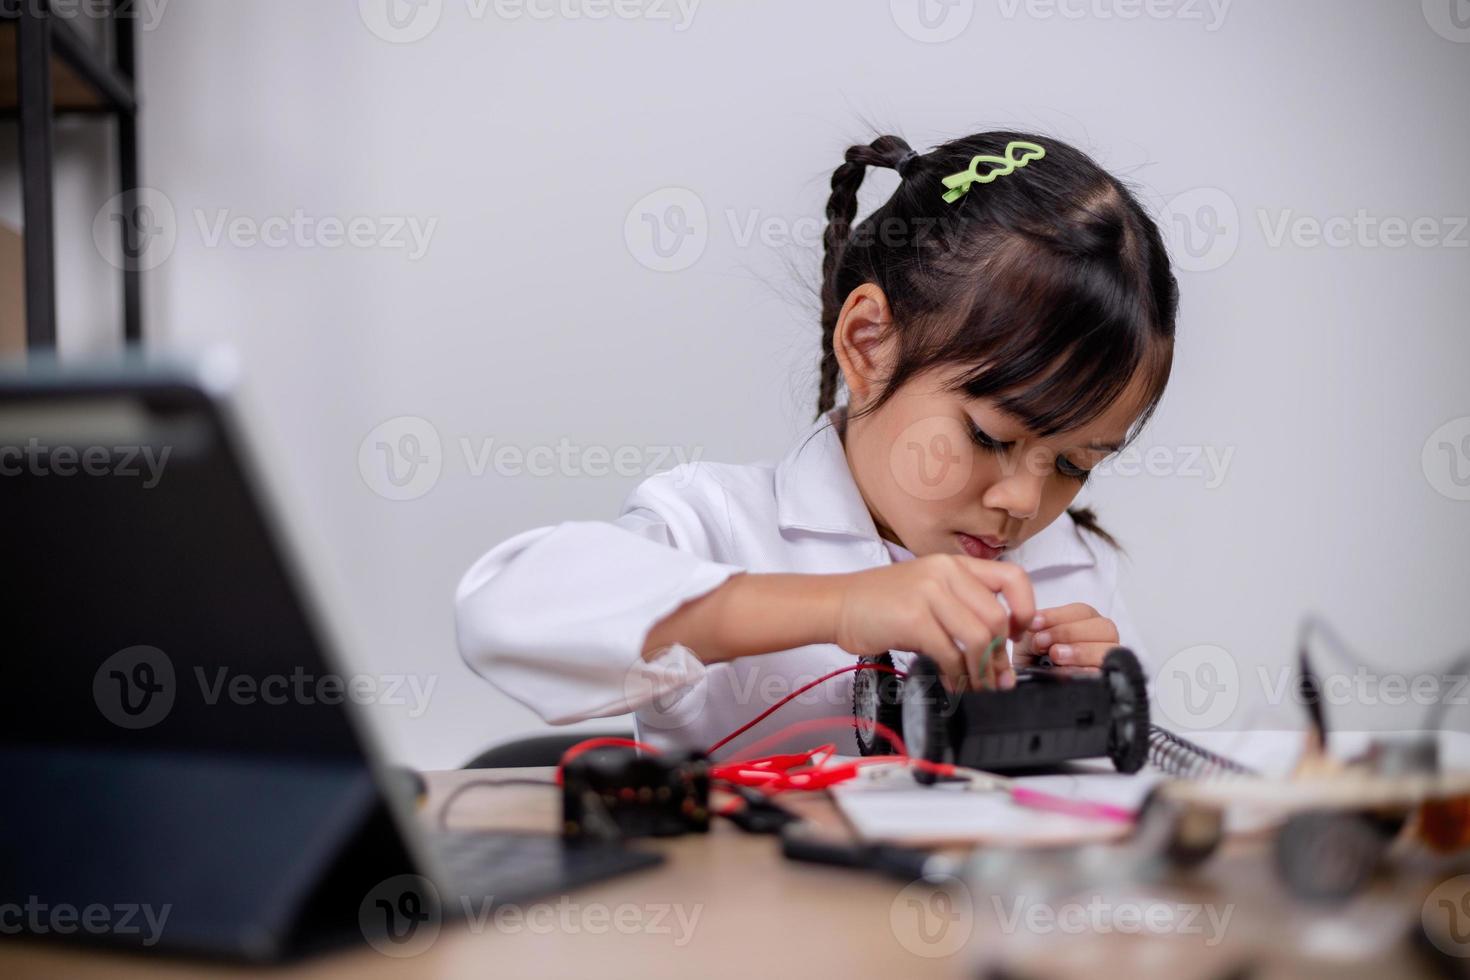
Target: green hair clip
{"type": "Point", "coordinates": [959, 183]}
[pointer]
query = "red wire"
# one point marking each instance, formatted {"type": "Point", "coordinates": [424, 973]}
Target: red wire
{"type": "Point", "coordinates": [797, 693]}
{"type": "Point", "coordinates": [599, 743]}
{"type": "Point", "coordinates": [817, 724]}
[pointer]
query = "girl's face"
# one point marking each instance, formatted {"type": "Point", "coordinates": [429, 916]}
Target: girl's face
{"type": "Point", "coordinates": [945, 473]}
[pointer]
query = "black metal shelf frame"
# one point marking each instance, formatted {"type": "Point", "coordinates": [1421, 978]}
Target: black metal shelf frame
{"type": "Point", "coordinates": [42, 40]}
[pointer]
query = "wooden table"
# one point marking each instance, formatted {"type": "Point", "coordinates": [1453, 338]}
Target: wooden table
{"type": "Point", "coordinates": [728, 904]}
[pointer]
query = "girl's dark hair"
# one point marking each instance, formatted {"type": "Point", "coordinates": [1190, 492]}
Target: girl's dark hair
{"type": "Point", "coordinates": [1051, 282]}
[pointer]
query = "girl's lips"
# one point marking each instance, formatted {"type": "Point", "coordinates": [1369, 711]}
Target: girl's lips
{"type": "Point", "coordinates": [986, 547]}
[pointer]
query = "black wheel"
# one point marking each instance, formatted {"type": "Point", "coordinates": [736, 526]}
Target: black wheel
{"type": "Point", "coordinates": [924, 715]}
{"type": "Point", "coordinates": [1128, 736]}
{"type": "Point", "coordinates": [1187, 834]}
{"type": "Point", "coordinates": [1327, 856]}
{"type": "Point", "coordinates": [875, 697]}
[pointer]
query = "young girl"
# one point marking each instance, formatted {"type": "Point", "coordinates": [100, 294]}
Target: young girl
{"type": "Point", "coordinates": [1001, 324]}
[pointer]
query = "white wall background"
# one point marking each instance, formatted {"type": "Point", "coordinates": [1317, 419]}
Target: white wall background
{"type": "Point", "coordinates": [530, 319]}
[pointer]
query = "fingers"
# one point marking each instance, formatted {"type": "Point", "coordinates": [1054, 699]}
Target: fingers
{"type": "Point", "coordinates": [1083, 642]}
{"type": "Point", "coordinates": [1011, 582]}
{"type": "Point", "coordinates": [968, 626]}
{"type": "Point", "coordinates": [1081, 654]}
{"type": "Point", "coordinates": [1074, 634]}
{"type": "Point", "coordinates": [1096, 630]}
{"type": "Point", "coordinates": [940, 635]}
{"type": "Point", "coordinates": [1024, 653]}
{"type": "Point", "coordinates": [1058, 615]}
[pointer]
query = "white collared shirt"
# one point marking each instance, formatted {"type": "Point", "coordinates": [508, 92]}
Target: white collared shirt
{"type": "Point", "coordinates": [556, 617]}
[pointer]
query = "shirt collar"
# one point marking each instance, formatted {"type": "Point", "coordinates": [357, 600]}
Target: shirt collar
{"type": "Point", "coordinates": [815, 491]}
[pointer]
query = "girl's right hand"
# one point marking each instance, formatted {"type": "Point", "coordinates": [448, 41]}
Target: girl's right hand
{"type": "Point", "coordinates": [943, 606]}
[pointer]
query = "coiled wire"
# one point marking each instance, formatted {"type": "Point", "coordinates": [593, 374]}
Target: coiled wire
{"type": "Point", "coordinates": [1183, 759]}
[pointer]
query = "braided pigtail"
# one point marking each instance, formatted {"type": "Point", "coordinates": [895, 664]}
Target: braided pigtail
{"type": "Point", "coordinates": [885, 151]}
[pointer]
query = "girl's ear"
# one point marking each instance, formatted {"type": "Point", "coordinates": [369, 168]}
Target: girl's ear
{"type": "Point", "coordinates": [863, 341]}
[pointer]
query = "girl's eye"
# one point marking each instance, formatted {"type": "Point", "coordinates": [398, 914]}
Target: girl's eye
{"type": "Point", "coordinates": [1071, 470]}
{"type": "Point", "coordinates": [985, 441]}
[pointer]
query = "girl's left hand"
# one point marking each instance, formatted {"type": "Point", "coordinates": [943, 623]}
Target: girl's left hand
{"type": "Point", "coordinates": [1076, 635]}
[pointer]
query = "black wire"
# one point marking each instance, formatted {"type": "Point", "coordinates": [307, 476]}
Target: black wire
{"type": "Point", "coordinates": [463, 788]}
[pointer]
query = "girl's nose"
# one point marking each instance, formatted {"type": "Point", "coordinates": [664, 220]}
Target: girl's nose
{"type": "Point", "coordinates": [1018, 494]}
